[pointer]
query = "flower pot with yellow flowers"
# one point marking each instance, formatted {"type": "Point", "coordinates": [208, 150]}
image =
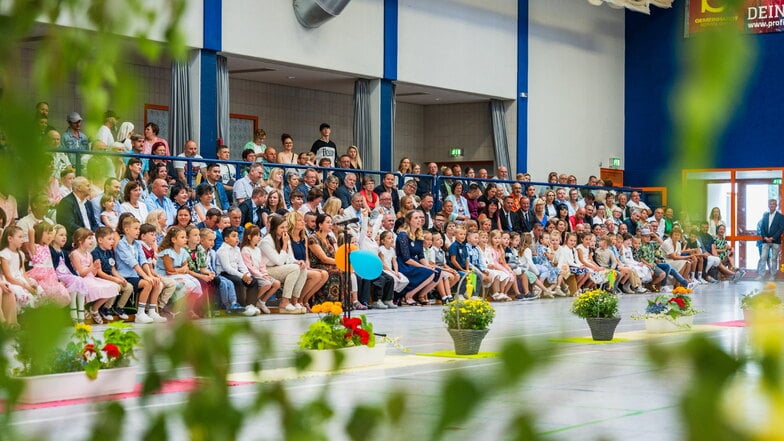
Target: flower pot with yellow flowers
{"type": "Point", "coordinates": [599, 308]}
{"type": "Point", "coordinates": [337, 342]}
{"type": "Point", "coordinates": [468, 321]}
{"type": "Point", "coordinates": [86, 366]}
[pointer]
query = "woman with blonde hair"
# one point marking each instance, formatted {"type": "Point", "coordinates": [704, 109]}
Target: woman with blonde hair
{"type": "Point", "coordinates": [298, 237]}
{"type": "Point", "coordinates": [333, 207]}
{"type": "Point", "coordinates": [353, 153]}
{"type": "Point", "coordinates": [406, 205]}
{"type": "Point", "coordinates": [275, 181]}
{"type": "Point", "coordinates": [714, 220]}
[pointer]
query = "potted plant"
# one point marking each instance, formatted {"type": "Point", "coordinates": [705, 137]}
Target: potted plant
{"type": "Point", "coordinates": [600, 309]}
{"type": "Point", "coordinates": [761, 301]}
{"type": "Point", "coordinates": [467, 322]}
{"type": "Point", "coordinates": [86, 366]}
{"type": "Point", "coordinates": [334, 341]}
{"type": "Point", "coordinates": [669, 312]}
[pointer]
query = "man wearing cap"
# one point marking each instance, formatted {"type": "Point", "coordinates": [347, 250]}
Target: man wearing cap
{"type": "Point", "coordinates": [105, 131]}
{"type": "Point", "coordinates": [73, 138]}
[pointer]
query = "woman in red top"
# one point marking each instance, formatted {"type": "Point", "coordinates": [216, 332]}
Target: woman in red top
{"type": "Point", "coordinates": [371, 198]}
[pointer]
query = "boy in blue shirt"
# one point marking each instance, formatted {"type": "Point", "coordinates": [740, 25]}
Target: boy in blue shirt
{"type": "Point", "coordinates": [130, 262]}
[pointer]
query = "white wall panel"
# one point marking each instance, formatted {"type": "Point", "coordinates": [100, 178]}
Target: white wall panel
{"type": "Point", "coordinates": [465, 45]}
{"type": "Point", "coordinates": [575, 87]}
{"type": "Point", "coordinates": [351, 42]}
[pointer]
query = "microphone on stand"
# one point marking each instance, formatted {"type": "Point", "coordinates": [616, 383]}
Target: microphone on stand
{"type": "Point", "coordinates": [353, 220]}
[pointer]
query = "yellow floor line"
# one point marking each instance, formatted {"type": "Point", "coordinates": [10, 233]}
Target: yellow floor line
{"type": "Point", "coordinates": [284, 374]}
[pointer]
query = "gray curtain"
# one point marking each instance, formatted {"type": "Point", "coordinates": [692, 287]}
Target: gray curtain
{"type": "Point", "coordinates": [223, 98]}
{"type": "Point", "coordinates": [362, 129]}
{"type": "Point", "coordinates": [498, 117]}
{"type": "Point", "coordinates": [180, 107]}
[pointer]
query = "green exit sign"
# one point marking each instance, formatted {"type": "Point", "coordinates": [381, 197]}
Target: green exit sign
{"type": "Point", "coordinates": [456, 152]}
{"type": "Point", "coordinates": [615, 162]}
{"type": "Point", "coordinates": [777, 181]}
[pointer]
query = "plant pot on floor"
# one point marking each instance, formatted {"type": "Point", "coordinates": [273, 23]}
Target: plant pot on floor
{"type": "Point", "coordinates": [76, 385]}
{"type": "Point", "coordinates": [602, 329]}
{"type": "Point", "coordinates": [324, 360]}
{"type": "Point", "coordinates": [665, 325]}
{"type": "Point", "coordinates": [467, 341]}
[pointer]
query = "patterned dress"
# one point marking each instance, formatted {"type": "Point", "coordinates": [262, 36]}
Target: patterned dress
{"type": "Point", "coordinates": [331, 290]}
{"type": "Point", "coordinates": [95, 288]}
{"type": "Point", "coordinates": [547, 270]}
{"type": "Point", "coordinates": [43, 272]}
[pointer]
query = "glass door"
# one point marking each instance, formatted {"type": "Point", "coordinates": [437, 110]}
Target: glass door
{"type": "Point", "coordinates": [753, 197]}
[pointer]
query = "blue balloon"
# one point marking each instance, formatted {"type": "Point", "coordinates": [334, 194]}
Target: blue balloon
{"type": "Point", "coordinates": [366, 264]}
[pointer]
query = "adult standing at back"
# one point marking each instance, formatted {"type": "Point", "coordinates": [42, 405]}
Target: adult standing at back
{"type": "Point", "coordinates": [105, 131]}
{"type": "Point", "coordinates": [187, 172]}
{"type": "Point", "coordinates": [324, 147]}
{"type": "Point", "coordinates": [151, 131]}
{"type": "Point", "coordinates": [771, 229]}
{"type": "Point", "coordinates": [74, 138]}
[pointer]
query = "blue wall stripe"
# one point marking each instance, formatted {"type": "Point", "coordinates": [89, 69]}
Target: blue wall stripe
{"type": "Point", "coordinates": [387, 127]}
{"type": "Point", "coordinates": [522, 86]}
{"type": "Point", "coordinates": [390, 39]}
{"type": "Point", "coordinates": [208, 90]}
{"type": "Point", "coordinates": [213, 25]}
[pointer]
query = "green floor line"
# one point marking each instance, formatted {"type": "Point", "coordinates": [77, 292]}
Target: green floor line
{"type": "Point", "coordinates": [601, 420]}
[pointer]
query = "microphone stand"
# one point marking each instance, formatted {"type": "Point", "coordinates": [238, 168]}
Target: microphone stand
{"type": "Point", "coordinates": [346, 276]}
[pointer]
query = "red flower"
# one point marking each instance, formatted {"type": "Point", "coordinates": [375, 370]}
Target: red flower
{"type": "Point", "coordinates": [364, 336]}
{"type": "Point", "coordinates": [88, 349]}
{"type": "Point", "coordinates": [111, 350]}
{"type": "Point", "coordinates": [352, 323]}
{"type": "Point", "coordinates": [679, 301]}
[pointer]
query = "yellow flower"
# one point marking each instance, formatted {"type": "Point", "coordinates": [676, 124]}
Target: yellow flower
{"type": "Point", "coordinates": [83, 327]}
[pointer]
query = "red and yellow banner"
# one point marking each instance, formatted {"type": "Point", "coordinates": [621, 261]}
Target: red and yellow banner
{"type": "Point", "coordinates": [754, 16]}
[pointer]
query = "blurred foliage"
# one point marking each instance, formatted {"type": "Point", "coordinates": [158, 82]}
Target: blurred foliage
{"type": "Point", "coordinates": [715, 381]}
{"type": "Point", "coordinates": [93, 61]}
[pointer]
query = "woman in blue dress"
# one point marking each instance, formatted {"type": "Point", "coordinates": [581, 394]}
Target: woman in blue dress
{"type": "Point", "coordinates": [410, 257]}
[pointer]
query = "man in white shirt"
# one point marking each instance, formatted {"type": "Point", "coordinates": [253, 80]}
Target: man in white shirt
{"type": "Point", "coordinates": [185, 171]}
{"type": "Point", "coordinates": [243, 188]}
{"type": "Point", "coordinates": [231, 266]}
{"type": "Point", "coordinates": [105, 131]}
{"type": "Point", "coordinates": [636, 203]}
{"type": "Point", "coordinates": [358, 210]}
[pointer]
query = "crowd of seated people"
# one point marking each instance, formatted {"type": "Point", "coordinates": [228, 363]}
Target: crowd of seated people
{"type": "Point", "coordinates": [154, 237]}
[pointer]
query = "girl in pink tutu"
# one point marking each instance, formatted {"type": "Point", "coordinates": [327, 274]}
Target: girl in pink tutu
{"type": "Point", "coordinates": [66, 275]}
{"type": "Point", "coordinates": [12, 263]}
{"type": "Point", "coordinates": [98, 291]}
{"type": "Point", "coordinates": [43, 270]}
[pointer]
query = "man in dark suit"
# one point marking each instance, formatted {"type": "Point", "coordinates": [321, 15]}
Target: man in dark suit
{"type": "Point", "coordinates": [427, 184]}
{"type": "Point", "coordinates": [510, 218]}
{"type": "Point", "coordinates": [251, 208]}
{"type": "Point", "coordinates": [347, 190]}
{"type": "Point", "coordinates": [527, 217]}
{"type": "Point", "coordinates": [771, 229]}
{"type": "Point", "coordinates": [388, 186]}
{"type": "Point", "coordinates": [75, 210]}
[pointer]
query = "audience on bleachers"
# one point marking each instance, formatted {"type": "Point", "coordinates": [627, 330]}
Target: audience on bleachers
{"type": "Point", "coordinates": [284, 226]}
